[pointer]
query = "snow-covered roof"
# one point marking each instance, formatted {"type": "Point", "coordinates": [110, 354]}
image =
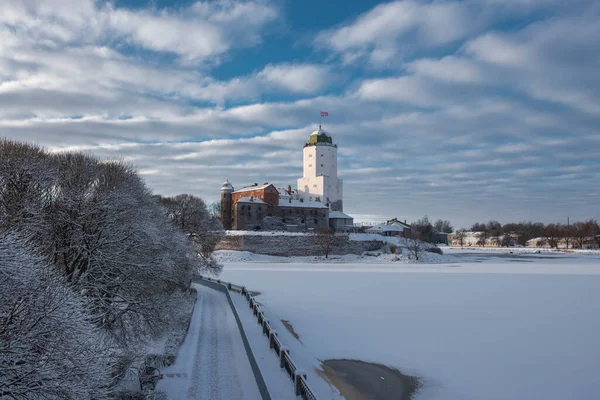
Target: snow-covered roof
{"type": "Point", "coordinates": [303, 204]}
{"type": "Point", "coordinates": [227, 186]}
{"type": "Point", "coordinates": [283, 192]}
{"type": "Point", "coordinates": [385, 228]}
{"type": "Point", "coordinates": [400, 224]}
{"type": "Point", "coordinates": [248, 188]}
{"type": "Point", "coordinates": [339, 214]}
{"type": "Point", "coordinates": [254, 200]}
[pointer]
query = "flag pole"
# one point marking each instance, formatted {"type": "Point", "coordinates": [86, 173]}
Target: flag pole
{"type": "Point", "coordinates": [320, 118]}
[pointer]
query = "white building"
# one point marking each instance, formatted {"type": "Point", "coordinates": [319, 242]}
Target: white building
{"type": "Point", "coordinates": [319, 181]}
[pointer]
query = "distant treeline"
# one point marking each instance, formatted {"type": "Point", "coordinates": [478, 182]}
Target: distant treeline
{"type": "Point", "coordinates": [91, 267]}
{"type": "Point", "coordinates": [578, 234]}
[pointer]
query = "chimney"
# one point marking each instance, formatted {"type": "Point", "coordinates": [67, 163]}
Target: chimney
{"type": "Point", "coordinates": [290, 189]}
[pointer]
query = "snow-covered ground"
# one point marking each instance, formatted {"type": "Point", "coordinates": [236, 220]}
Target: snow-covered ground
{"type": "Point", "coordinates": [479, 325]}
{"type": "Point", "coordinates": [212, 362]}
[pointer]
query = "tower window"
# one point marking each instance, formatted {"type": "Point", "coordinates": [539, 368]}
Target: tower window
{"type": "Point", "coordinates": [310, 155]}
{"type": "Point", "coordinates": [321, 165]}
{"type": "Point", "coordinates": [309, 165]}
{"type": "Point", "coordinates": [321, 155]}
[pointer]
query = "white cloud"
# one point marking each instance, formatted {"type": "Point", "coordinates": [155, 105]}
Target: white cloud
{"type": "Point", "coordinates": [449, 68]}
{"type": "Point", "coordinates": [304, 78]}
{"type": "Point", "coordinates": [381, 33]}
{"type": "Point", "coordinates": [471, 123]}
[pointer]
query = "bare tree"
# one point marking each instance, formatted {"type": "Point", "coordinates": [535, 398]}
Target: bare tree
{"type": "Point", "coordinates": [553, 234]}
{"type": "Point", "coordinates": [326, 239]}
{"type": "Point", "coordinates": [443, 226]}
{"type": "Point", "coordinates": [461, 236]}
{"type": "Point", "coordinates": [482, 238]}
{"type": "Point", "coordinates": [414, 245]}
{"type": "Point", "coordinates": [584, 232]}
{"type": "Point", "coordinates": [424, 229]}
{"type": "Point", "coordinates": [214, 209]}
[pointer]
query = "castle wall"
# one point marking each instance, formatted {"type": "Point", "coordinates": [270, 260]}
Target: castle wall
{"type": "Point", "coordinates": [297, 245]}
{"type": "Point", "coordinates": [250, 216]}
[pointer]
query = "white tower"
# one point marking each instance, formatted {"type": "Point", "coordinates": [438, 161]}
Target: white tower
{"type": "Point", "coordinates": [320, 181]}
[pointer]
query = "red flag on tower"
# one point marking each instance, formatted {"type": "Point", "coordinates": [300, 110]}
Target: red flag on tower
{"type": "Point", "coordinates": [324, 114]}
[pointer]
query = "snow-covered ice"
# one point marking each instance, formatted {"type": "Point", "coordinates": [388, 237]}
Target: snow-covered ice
{"type": "Point", "coordinates": [212, 361]}
{"type": "Point", "coordinates": [488, 326]}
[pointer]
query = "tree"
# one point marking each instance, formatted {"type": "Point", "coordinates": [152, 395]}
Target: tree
{"type": "Point", "coordinates": [461, 234]}
{"type": "Point", "coordinates": [482, 237]}
{"type": "Point", "coordinates": [553, 234]}
{"type": "Point", "coordinates": [443, 226]}
{"type": "Point", "coordinates": [414, 246]}
{"type": "Point", "coordinates": [214, 209]}
{"type": "Point", "coordinates": [584, 232]}
{"type": "Point", "coordinates": [191, 215]}
{"type": "Point", "coordinates": [107, 242]}
{"type": "Point", "coordinates": [478, 227]}
{"type": "Point", "coordinates": [326, 239]}
{"type": "Point", "coordinates": [48, 347]}
{"type": "Point", "coordinates": [424, 229]}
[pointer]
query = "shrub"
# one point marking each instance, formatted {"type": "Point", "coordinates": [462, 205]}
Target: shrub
{"type": "Point", "coordinates": [435, 250]}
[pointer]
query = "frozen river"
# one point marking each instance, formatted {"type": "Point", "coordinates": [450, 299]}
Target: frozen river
{"type": "Point", "coordinates": [476, 327]}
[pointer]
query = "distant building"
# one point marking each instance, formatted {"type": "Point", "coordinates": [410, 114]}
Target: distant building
{"type": "Point", "coordinates": [317, 202]}
{"type": "Point", "coordinates": [393, 227]}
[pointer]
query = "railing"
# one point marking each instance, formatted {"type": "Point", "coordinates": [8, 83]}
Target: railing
{"type": "Point", "coordinates": [286, 363]}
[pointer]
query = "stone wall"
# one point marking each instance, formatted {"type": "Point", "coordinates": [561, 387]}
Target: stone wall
{"type": "Point", "coordinates": [297, 245]}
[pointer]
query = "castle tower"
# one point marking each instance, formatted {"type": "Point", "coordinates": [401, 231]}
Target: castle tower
{"type": "Point", "coordinates": [319, 180]}
{"type": "Point", "coordinates": [226, 191]}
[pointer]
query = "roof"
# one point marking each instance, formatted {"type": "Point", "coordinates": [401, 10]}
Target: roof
{"type": "Point", "coordinates": [254, 200]}
{"type": "Point", "coordinates": [386, 228]}
{"type": "Point", "coordinates": [303, 204]}
{"type": "Point", "coordinates": [319, 136]}
{"type": "Point", "coordinates": [396, 222]}
{"type": "Point", "coordinates": [249, 188]}
{"type": "Point", "coordinates": [227, 186]}
{"type": "Point", "coordinates": [283, 192]}
{"type": "Point", "coordinates": [339, 214]}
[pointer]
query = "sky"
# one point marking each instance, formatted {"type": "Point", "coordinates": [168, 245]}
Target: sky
{"type": "Point", "coordinates": [462, 110]}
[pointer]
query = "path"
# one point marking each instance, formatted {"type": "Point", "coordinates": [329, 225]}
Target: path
{"type": "Point", "coordinates": [212, 363]}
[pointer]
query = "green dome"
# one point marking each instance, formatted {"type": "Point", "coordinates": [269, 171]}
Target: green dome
{"type": "Point", "coordinates": [319, 136]}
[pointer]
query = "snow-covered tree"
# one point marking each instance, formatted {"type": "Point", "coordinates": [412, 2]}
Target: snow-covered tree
{"type": "Point", "coordinates": [191, 216]}
{"type": "Point", "coordinates": [49, 349]}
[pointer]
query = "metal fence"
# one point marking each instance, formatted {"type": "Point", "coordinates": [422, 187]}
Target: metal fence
{"type": "Point", "coordinates": [286, 363]}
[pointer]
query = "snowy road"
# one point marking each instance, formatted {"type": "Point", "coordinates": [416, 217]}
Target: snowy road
{"type": "Point", "coordinates": [212, 363]}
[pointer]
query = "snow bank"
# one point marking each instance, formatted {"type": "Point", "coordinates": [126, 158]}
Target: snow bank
{"type": "Point", "coordinates": [374, 257]}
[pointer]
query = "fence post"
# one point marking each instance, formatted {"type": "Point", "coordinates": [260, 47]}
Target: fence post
{"type": "Point", "coordinates": [229, 286]}
{"type": "Point", "coordinates": [272, 335]}
{"type": "Point", "coordinates": [264, 325]}
{"type": "Point", "coordinates": [298, 381]}
{"type": "Point", "coordinates": [284, 350]}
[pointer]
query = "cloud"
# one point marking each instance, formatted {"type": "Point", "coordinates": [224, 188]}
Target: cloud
{"type": "Point", "coordinates": [472, 121]}
{"type": "Point", "coordinates": [385, 32]}
{"type": "Point", "coordinates": [195, 33]}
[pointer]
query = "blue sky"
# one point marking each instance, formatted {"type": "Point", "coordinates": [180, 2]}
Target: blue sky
{"type": "Point", "coordinates": [464, 110]}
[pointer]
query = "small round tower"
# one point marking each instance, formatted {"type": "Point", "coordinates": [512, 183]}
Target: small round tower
{"type": "Point", "coordinates": [226, 191]}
